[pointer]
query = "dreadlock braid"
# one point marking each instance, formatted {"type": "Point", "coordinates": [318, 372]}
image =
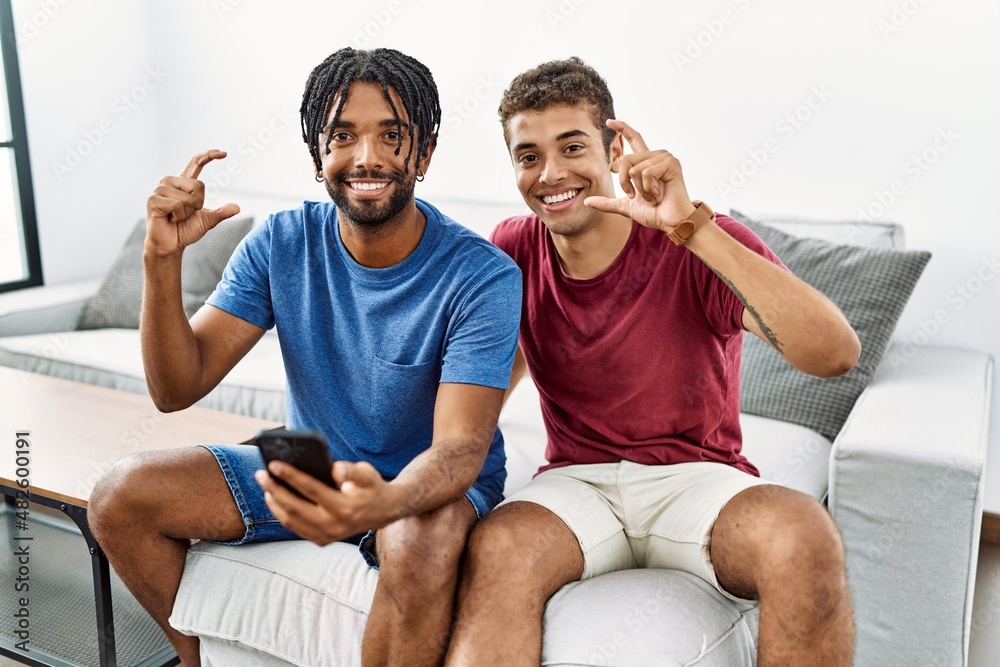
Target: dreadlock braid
{"type": "Point", "coordinates": [411, 80]}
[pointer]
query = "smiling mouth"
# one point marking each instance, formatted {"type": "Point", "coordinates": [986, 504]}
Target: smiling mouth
{"type": "Point", "coordinates": [367, 187]}
{"type": "Point", "coordinates": [551, 200]}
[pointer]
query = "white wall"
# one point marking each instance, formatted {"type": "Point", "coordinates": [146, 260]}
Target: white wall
{"type": "Point", "coordinates": [92, 123]}
{"type": "Point", "coordinates": [894, 75]}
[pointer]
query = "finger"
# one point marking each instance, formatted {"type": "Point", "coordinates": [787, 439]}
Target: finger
{"type": "Point", "coordinates": [362, 473]}
{"type": "Point", "coordinates": [183, 195]}
{"type": "Point", "coordinates": [291, 520]}
{"type": "Point", "coordinates": [310, 487]}
{"type": "Point", "coordinates": [634, 139]}
{"type": "Point", "coordinates": [624, 166]}
{"type": "Point", "coordinates": [652, 173]}
{"type": "Point", "coordinates": [608, 205]}
{"type": "Point", "coordinates": [167, 207]}
{"type": "Point", "coordinates": [275, 495]}
{"type": "Point", "coordinates": [216, 215]}
{"type": "Point", "coordinates": [183, 184]}
{"type": "Point", "coordinates": [634, 173]}
{"type": "Point", "coordinates": [198, 162]}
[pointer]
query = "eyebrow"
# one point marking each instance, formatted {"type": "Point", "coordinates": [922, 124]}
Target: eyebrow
{"type": "Point", "coordinates": [388, 122]}
{"type": "Point", "coordinates": [564, 135]}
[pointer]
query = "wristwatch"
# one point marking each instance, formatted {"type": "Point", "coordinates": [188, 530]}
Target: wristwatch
{"type": "Point", "coordinates": [683, 230]}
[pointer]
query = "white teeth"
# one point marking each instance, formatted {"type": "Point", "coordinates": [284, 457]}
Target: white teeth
{"type": "Point", "coordinates": [368, 186]}
{"type": "Point", "coordinates": [555, 199]}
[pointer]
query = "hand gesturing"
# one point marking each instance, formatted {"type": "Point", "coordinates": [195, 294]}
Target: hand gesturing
{"type": "Point", "coordinates": [653, 183]}
{"type": "Point", "coordinates": [175, 217]}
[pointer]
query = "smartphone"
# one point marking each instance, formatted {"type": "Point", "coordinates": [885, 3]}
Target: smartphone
{"type": "Point", "coordinates": [306, 450]}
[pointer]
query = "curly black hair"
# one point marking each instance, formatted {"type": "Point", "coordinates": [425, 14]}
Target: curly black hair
{"type": "Point", "coordinates": [571, 82]}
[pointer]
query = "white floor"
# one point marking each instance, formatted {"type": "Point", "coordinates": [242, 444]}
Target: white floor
{"type": "Point", "coordinates": [984, 650]}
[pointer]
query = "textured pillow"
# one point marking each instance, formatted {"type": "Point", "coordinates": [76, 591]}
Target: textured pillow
{"type": "Point", "coordinates": [870, 285]}
{"type": "Point", "coordinates": [117, 302]}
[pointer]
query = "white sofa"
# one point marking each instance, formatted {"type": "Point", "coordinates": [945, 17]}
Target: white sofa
{"type": "Point", "coordinates": [903, 480]}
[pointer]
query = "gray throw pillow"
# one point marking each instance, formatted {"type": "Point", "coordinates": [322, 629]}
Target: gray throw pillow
{"type": "Point", "coordinates": [118, 300]}
{"type": "Point", "coordinates": [870, 285]}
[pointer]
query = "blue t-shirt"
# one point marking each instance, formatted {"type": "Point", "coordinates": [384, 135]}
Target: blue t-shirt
{"type": "Point", "coordinates": [364, 349]}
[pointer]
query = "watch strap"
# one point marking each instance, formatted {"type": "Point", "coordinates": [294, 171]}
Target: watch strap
{"type": "Point", "coordinates": [683, 230]}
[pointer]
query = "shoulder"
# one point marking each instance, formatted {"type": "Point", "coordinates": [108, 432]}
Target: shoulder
{"type": "Point", "coordinates": [518, 234]}
{"type": "Point", "coordinates": [464, 246]}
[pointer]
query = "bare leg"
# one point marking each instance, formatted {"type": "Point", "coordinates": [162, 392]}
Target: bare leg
{"type": "Point", "coordinates": [411, 614]}
{"type": "Point", "coordinates": [781, 547]}
{"type": "Point", "coordinates": [143, 512]}
{"type": "Point", "coordinates": [517, 558]}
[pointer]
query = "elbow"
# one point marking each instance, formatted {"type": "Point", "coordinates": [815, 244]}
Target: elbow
{"type": "Point", "coordinates": [166, 405]}
{"type": "Point", "coordinates": [166, 401]}
{"type": "Point", "coordinates": [846, 353]}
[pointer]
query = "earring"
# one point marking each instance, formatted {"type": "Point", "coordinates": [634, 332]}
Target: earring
{"type": "Point", "coordinates": [319, 177]}
{"type": "Point", "coordinates": [420, 177]}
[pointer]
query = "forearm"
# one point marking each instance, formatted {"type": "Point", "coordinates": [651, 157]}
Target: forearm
{"type": "Point", "coordinates": [170, 353]}
{"type": "Point", "coordinates": [797, 320]}
{"type": "Point", "coordinates": [438, 476]}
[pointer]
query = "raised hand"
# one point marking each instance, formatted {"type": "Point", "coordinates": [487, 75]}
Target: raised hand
{"type": "Point", "coordinates": [175, 217]}
{"type": "Point", "coordinates": [653, 184]}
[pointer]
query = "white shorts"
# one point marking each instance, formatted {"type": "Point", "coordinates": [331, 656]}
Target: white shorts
{"type": "Point", "coordinates": [627, 515]}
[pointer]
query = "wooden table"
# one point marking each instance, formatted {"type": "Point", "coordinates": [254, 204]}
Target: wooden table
{"type": "Point", "coordinates": [74, 433]}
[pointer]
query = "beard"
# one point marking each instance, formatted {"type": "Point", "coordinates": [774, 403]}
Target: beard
{"type": "Point", "coordinates": [371, 214]}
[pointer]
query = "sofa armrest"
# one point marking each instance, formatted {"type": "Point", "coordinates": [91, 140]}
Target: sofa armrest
{"type": "Point", "coordinates": [906, 490]}
{"type": "Point", "coordinates": [44, 309]}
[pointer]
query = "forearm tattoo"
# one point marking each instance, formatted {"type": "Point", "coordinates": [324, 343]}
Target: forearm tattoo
{"type": "Point", "coordinates": [772, 340]}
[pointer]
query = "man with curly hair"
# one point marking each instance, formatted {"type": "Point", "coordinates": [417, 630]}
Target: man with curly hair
{"type": "Point", "coordinates": [633, 316]}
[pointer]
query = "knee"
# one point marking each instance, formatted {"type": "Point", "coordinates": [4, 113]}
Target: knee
{"type": "Point", "coordinates": [498, 546]}
{"type": "Point", "coordinates": [120, 496]}
{"type": "Point", "coordinates": [806, 554]}
{"type": "Point", "coordinates": [809, 543]}
{"type": "Point", "coordinates": [423, 552]}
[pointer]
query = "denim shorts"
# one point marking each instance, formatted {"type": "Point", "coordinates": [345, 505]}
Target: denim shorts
{"type": "Point", "coordinates": [239, 463]}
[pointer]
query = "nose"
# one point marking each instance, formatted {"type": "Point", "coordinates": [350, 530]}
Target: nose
{"type": "Point", "coordinates": [552, 172]}
{"type": "Point", "coordinates": [367, 155]}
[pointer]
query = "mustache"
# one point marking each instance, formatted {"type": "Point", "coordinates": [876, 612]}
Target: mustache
{"type": "Point", "coordinates": [394, 176]}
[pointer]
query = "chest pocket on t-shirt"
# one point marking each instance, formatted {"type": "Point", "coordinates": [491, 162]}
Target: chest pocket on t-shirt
{"type": "Point", "coordinates": [403, 395]}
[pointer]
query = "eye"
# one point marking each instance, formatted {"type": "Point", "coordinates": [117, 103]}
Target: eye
{"type": "Point", "coordinates": [341, 136]}
{"type": "Point", "coordinates": [393, 135]}
{"type": "Point", "coordinates": [528, 158]}
{"type": "Point", "coordinates": [574, 148]}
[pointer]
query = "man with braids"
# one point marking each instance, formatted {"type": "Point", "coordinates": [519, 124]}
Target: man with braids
{"type": "Point", "coordinates": [398, 329]}
{"type": "Point", "coordinates": [633, 317]}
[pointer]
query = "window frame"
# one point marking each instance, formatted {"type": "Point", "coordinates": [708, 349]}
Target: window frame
{"type": "Point", "coordinates": [19, 143]}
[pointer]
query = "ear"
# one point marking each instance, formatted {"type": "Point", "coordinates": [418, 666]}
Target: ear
{"type": "Point", "coordinates": [615, 151]}
{"type": "Point", "coordinates": [425, 159]}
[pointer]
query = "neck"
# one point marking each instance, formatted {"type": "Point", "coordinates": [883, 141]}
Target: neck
{"type": "Point", "coordinates": [387, 244]}
{"type": "Point", "coordinates": [590, 252]}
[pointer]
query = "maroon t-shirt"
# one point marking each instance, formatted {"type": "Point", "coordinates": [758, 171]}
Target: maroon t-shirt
{"type": "Point", "coordinates": [641, 362]}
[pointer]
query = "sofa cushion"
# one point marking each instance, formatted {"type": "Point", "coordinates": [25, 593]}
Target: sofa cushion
{"type": "Point", "coordinates": [325, 594]}
{"type": "Point", "coordinates": [45, 308]}
{"type": "Point", "coordinates": [867, 234]}
{"type": "Point", "coordinates": [304, 604]}
{"type": "Point", "coordinates": [661, 618]}
{"type": "Point", "coordinates": [789, 454]}
{"type": "Point", "coordinates": [119, 298]}
{"type": "Point", "coordinates": [870, 285]}
{"type": "Point", "coordinates": [112, 358]}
